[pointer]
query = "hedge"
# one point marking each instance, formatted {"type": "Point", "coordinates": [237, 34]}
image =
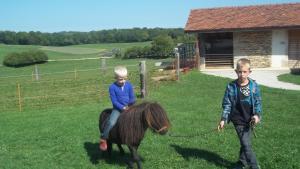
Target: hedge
{"type": "Point", "coordinates": [25, 58]}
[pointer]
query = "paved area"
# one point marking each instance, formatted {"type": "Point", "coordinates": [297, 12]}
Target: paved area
{"type": "Point", "coordinates": [266, 77]}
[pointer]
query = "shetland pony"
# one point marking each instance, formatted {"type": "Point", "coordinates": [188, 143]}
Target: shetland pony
{"type": "Point", "coordinates": [132, 125]}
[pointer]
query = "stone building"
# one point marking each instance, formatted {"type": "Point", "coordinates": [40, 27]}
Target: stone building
{"type": "Point", "coordinates": [268, 35]}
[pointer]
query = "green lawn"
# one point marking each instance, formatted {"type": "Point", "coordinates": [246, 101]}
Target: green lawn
{"type": "Point", "coordinates": [67, 136]}
{"type": "Point", "coordinates": [70, 52]}
{"type": "Point", "coordinates": [111, 46]}
{"type": "Point", "coordinates": [291, 78]}
{"type": "Point", "coordinates": [58, 124]}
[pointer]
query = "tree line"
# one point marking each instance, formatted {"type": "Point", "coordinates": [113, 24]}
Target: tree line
{"type": "Point", "coordinates": [102, 36]}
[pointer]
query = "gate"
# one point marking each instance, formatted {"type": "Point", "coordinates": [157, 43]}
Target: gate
{"type": "Point", "coordinates": [187, 55]}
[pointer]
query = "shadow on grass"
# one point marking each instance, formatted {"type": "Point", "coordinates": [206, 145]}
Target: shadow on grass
{"type": "Point", "coordinates": [210, 157]}
{"type": "Point", "coordinates": [96, 155]}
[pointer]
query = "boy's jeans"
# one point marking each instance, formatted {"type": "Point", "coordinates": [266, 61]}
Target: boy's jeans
{"type": "Point", "coordinates": [247, 156]}
{"type": "Point", "coordinates": [110, 123]}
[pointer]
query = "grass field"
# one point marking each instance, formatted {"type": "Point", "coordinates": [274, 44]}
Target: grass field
{"type": "Point", "coordinates": [65, 133]}
{"type": "Point", "coordinates": [291, 78]}
{"type": "Point", "coordinates": [74, 52]}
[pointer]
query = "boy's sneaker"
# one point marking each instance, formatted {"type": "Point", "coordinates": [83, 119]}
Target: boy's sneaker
{"type": "Point", "coordinates": [103, 145]}
{"type": "Point", "coordinates": [258, 167]}
{"type": "Point", "coordinates": [239, 165]}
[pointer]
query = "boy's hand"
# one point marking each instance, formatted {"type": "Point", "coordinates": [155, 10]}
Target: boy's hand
{"type": "Point", "coordinates": [255, 119]}
{"type": "Point", "coordinates": [125, 108]}
{"type": "Point", "coordinates": [221, 125]}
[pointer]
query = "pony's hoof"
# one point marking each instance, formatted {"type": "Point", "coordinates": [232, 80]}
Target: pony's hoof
{"type": "Point", "coordinates": [130, 164]}
{"type": "Point", "coordinates": [122, 153]}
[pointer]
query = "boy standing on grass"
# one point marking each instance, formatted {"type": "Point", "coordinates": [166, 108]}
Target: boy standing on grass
{"type": "Point", "coordinates": [242, 106]}
{"type": "Point", "coordinates": [121, 95]}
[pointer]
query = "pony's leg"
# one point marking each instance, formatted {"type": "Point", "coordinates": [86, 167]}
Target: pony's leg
{"type": "Point", "coordinates": [130, 164]}
{"type": "Point", "coordinates": [135, 156]}
{"type": "Point", "coordinates": [109, 148]}
{"type": "Point", "coordinates": [131, 160]}
{"type": "Point", "coordinates": [121, 149]}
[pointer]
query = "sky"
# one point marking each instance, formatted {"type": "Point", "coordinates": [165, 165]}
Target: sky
{"type": "Point", "coordinates": [94, 15]}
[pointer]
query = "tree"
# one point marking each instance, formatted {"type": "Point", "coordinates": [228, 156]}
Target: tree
{"type": "Point", "coordinates": [162, 47]}
{"type": "Point", "coordinates": [103, 36]}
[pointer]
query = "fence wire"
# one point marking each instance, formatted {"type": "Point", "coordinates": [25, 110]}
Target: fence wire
{"type": "Point", "coordinates": [90, 85]}
{"type": "Point", "coordinates": [81, 86]}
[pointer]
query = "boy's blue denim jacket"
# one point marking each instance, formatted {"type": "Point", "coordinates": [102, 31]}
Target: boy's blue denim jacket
{"type": "Point", "coordinates": [230, 99]}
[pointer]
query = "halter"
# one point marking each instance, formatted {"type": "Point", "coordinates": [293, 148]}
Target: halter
{"type": "Point", "coordinates": [157, 131]}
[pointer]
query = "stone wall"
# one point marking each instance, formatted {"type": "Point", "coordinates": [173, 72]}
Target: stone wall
{"type": "Point", "coordinates": [256, 46]}
{"type": "Point", "coordinates": [294, 64]}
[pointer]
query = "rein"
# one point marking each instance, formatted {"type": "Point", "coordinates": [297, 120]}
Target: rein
{"type": "Point", "coordinates": [161, 129]}
{"type": "Point", "coordinates": [251, 125]}
{"type": "Point", "coordinates": [157, 131]}
{"type": "Point", "coordinates": [193, 135]}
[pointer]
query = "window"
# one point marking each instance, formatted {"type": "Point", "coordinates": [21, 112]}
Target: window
{"type": "Point", "coordinates": [218, 43]}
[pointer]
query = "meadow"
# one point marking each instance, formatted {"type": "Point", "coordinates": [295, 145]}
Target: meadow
{"type": "Point", "coordinates": [291, 78]}
{"type": "Point", "coordinates": [62, 132]}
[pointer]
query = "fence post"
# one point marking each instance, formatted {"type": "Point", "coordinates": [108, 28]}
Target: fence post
{"type": "Point", "coordinates": [103, 65]}
{"type": "Point", "coordinates": [36, 72]}
{"type": "Point", "coordinates": [143, 79]}
{"type": "Point", "coordinates": [75, 74]}
{"type": "Point", "coordinates": [32, 75]}
{"type": "Point", "coordinates": [19, 96]}
{"type": "Point", "coordinates": [177, 63]}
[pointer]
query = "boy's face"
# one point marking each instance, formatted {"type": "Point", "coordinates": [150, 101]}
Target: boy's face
{"type": "Point", "coordinates": [243, 72]}
{"type": "Point", "coordinates": [121, 80]}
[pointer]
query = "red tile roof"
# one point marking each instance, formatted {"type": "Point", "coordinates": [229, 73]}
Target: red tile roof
{"type": "Point", "coordinates": [244, 17]}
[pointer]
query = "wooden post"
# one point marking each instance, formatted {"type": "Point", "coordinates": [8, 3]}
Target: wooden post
{"type": "Point", "coordinates": [103, 65]}
{"type": "Point", "coordinates": [98, 91]}
{"type": "Point", "coordinates": [177, 63]}
{"type": "Point", "coordinates": [36, 72]}
{"type": "Point", "coordinates": [200, 52]}
{"type": "Point", "coordinates": [197, 54]}
{"type": "Point", "coordinates": [32, 75]}
{"type": "Point", "coordinates": [143, 79]}
{"type": "Point", "coordinates": [75, 74]}
{"type": "Point", "coordinates": [19, 96]}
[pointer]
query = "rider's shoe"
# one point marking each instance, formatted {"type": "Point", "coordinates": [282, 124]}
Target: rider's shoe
{"type": "Point", "coordinates": [103, 145]}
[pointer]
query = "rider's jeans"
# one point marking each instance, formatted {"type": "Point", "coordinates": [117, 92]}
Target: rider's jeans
{"type": "Point", "coordinates": [110, 123]}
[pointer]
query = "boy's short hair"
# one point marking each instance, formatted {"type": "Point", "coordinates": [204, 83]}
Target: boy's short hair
{"type": "Point", "coordinates": [120, 71]}
{"type": "Point", "coordinates": [242, 62]}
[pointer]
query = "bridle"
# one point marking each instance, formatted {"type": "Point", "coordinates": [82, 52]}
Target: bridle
{"type": "Point", "coordinates": [157, 131]}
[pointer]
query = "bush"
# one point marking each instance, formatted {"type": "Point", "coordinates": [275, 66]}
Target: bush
{"type": "Point", "coordinates": [25, 58]}
{"type": "Point", "coordinates": [162, 47]}
{"type": "Point", "coordinates": [295, 71]}
{"type": "Point", "coordinates": [117, 53]}
{"type": "Point", "coordinates": [133, 52]}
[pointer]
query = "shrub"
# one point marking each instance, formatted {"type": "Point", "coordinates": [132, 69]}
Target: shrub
{"type": "Point", "coordinates": [295, 71]}
{"type": "Point", "coordinates": [117, 53]}
{"type": "Point", "coordinates": [25, 58]}
{"type": "Point", "coordinates": [133, 52]}
{"type": "Point", "coordinates": [162, 47]}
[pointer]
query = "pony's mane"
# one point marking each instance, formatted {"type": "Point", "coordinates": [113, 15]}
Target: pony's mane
{"type": "Point", "coordinates": [157, 117]}
{"type": "Point", "coordinates": [131, 127]}
{"type": "Point", "coordinates": [132, 124]}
